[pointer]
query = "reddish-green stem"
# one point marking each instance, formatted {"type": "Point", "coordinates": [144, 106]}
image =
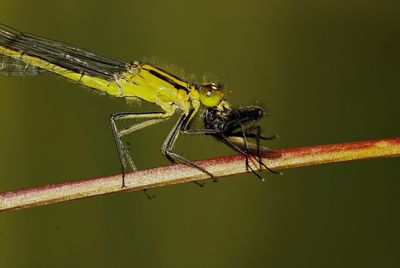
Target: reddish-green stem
{"type": "Point", "coordinates": [172, 174]}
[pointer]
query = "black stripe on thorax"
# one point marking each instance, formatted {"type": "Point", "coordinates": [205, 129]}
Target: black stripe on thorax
{"type": "Point", "coordinates": [168, 80]}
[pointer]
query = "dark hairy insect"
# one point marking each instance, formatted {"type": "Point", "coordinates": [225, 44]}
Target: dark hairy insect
{"type": "Point", "coordinates": [242, 123]}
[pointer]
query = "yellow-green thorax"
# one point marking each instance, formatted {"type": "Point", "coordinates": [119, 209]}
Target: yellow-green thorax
{"type": "Point", "coordinates": [157, 86]}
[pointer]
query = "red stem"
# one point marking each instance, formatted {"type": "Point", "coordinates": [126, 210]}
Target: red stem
{"type": "Point", "coordinates": [172, 174]}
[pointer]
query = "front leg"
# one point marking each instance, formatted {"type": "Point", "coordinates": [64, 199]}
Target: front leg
{"type": "Point", "coordinates": [169, 142]}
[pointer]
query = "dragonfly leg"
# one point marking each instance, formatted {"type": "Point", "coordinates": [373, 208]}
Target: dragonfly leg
{"type": "Point", "coordinates": [169, 142]}
{"type": "Point", "coordinates": [125, 157]}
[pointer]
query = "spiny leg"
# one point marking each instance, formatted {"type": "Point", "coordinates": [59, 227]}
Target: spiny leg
{"type": "Point", "coordinates": [123, 153]}
{"type": "Point", "coordinates": [169, 142]}
{"type": "Point", "coordinates": [244, 133]}
{"type": "Point", "coordinates": [204, 131]}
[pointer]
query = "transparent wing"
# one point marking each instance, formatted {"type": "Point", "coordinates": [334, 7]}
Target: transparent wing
{"type": "Point", "coordinates": [13, 67]}
{"type": "Point", "coordinates": [254, 148]}
{"type": "Point", "coordinates": [61, 54]}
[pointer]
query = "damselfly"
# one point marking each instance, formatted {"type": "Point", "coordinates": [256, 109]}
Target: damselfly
{"type": "Point", "coordinates": [23, 54]}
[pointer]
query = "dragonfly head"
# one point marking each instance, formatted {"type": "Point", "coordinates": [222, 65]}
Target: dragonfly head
{"type": "Point", "coordinates": [211, 94]}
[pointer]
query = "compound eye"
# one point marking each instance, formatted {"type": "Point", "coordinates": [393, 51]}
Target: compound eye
{"type": "Point", "coordinates": [210, 95]}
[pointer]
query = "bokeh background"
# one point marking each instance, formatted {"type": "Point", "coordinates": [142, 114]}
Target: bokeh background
{"type": "Point", "coordinates": [328, 71]}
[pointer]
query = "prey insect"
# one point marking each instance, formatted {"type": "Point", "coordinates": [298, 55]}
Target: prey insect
{"type": "Point", "coordinates": [234, 127]}
{"type": "Point", "coordinates": [23, 54]}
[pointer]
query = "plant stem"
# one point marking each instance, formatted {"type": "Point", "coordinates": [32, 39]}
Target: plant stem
{"type": "Point", "coordinates": [172, 174]}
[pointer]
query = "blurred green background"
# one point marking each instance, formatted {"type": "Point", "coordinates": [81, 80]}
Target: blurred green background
{"type": "Point", "coordinates": [327, 70]}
